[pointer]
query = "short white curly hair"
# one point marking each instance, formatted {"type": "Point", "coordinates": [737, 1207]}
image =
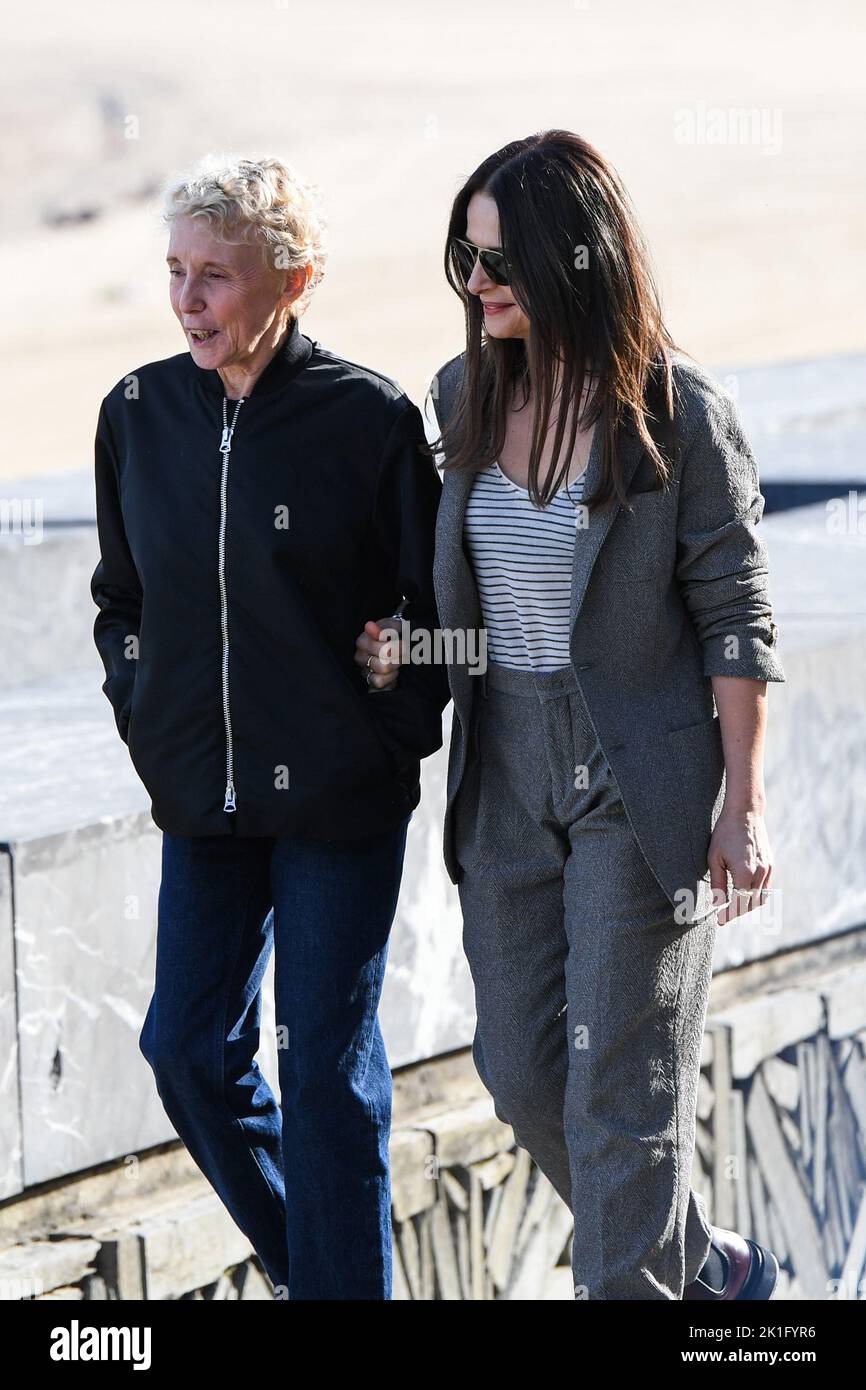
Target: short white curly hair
{"type": "Point", "coordinates": [245, 199]}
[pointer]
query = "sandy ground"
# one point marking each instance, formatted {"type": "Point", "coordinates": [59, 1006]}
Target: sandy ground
{"type": "Point", "coordinates": [758, 242]}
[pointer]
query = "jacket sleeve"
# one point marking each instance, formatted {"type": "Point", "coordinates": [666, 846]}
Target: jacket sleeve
{"type": "Point", "coordinates": [115, 586]}
{"type": "Point", "coordinates": [722, 567]}
{"type": "Point", "coordinates": [407, 499]}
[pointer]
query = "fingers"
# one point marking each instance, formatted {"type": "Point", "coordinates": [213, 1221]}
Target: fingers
{"type": "Point", "coordinates": [746, 893]}
{"type": "Point", "coordinates": [366, 646]}
{"type": "Point", "coordinates": [375, 656]}
{"type": "Point", "coordinates": [380, 682]}
{"type": "Point", "coordinates": [380, 652]}
{"type": "Point", "coordinates": [378, 648]}
{"type": "Point", "coordinates": [750, 873]}
{"type": "Point", "coordinates": [719, 887]}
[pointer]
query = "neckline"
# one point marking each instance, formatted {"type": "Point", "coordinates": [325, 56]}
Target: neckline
{"type": "Point", "coordinates": [565, 486]}
{"type": "Point", "coordinates": [524, 491]}
{"type": "Point", "coordinates": [285, 363]}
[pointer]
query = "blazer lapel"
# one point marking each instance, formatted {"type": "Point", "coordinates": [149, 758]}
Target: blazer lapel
{"type": "Point", "coordinates": [457, 592]}
{"type": "Point", "coordinates": [590, 537]}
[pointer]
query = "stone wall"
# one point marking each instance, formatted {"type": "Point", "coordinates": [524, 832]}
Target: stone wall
{"type": "Point", "coordinates": [780, 1156]}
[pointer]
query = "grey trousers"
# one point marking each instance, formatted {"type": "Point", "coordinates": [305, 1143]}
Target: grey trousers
{"type": "Point", "coordinates": [590, 998]}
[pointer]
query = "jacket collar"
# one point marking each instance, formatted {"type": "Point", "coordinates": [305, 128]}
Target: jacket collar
{"type": "Point", "coordinates": [286, 362]}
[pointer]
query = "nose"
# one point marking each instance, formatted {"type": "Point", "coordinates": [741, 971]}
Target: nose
{"type": "Point", "coordinates": [191, 299]}
{"type": "Point", "coordinates": [479, 279]}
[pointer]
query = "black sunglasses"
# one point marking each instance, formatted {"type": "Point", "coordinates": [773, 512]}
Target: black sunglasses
{"type": "Point", "coordinates": [493, 263]}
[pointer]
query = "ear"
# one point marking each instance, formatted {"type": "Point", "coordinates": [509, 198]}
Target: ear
{"type": "Point", "coordinates": [295, 282]}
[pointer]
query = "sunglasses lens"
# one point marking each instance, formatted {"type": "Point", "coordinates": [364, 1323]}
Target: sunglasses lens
{"type": "Point", "coordinates": [465, 258]}
{"type": "Point", "coordinates": [494, 265]}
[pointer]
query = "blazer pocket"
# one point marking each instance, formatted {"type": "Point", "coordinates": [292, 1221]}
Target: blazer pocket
{"type": "Point", "coordinates": [700, 760]}
{"type": "Point", "coordinates": [645, 516]}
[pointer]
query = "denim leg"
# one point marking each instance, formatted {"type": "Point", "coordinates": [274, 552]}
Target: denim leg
{"type": "Point", "coordinates": [334, 904]}
{"type": "Point", "coordinates": [201, 1032]}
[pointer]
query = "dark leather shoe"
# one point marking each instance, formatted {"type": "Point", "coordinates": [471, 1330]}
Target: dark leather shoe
{"type": "Point", "coordinates": [736, 1268]}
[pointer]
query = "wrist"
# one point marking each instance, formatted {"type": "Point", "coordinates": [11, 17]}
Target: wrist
{"type": "Point", "coordinates": [745, 800]}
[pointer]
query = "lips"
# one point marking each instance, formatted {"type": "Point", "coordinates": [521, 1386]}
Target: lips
{"type": "Point", "coordinates": [491, 307]}
{"type": "Point", "coordinates": [202, 335]}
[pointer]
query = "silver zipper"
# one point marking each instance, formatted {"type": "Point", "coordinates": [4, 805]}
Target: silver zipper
{"type": "Point", "coordinates": [225, 450]}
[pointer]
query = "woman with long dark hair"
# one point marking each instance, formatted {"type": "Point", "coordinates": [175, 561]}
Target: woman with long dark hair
{"type": "Point", "coordinates": [598, 523]}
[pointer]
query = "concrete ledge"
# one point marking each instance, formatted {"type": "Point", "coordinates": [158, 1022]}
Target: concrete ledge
{"type": "Point", "coordinates": [780, 1155]}
{"type": "Point", "coordinates": [83, 856]}
{"type": "Point", "coordinates": [463, 1227]}
{"type": "Point", "coordinates": [47, 617]}
{"type": "Point", "coordinates": [806, 422]}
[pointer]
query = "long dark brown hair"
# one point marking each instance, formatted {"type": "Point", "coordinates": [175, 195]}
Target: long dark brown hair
{"type": "Point", "coordinates": [581, 273]}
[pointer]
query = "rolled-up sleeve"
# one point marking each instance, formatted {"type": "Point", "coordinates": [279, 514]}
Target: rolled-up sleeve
{"type": "Point", "coordinates": [115, 586]}
{"type": "Point", "coordinates": [722, 564]}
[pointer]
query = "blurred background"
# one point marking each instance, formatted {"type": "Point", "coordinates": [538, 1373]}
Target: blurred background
{"type": "Point", "coordinates": [758, 240]}
{"type": "Point", "coordinates": [739, 131]}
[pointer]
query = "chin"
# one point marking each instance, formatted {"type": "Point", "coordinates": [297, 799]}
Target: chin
{"type": "Point", "coordinates": [207, 356]}
{"type": "Point", "coordinates": [505, 326]}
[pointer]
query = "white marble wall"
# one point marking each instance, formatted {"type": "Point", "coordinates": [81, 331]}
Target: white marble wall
{"type": "Point", "coordinates": [11, 1179]}
{"type": "Point", "coordinates": [48, 629]}
{"type": "Point", "coordinates": [84, 937]}
{"type": "Point", "coordinates": [816, 739]}
{"type": "Point", "coordinates": [86, 878]}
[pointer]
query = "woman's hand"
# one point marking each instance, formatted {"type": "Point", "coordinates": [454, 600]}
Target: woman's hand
{"type": "Point", "coordinates": [372, 644]}
{"type": "Point", "coordinates": [740, 847]}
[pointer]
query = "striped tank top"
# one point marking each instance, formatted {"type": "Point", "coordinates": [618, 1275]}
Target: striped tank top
{"type": "Point", "coordinates": [523, 558]}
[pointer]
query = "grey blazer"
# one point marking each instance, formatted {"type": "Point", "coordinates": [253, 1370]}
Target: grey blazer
{"type": "Point", "coordinates": [662, 599]}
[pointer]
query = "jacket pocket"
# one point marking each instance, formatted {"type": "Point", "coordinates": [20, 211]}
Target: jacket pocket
{"type": "Point", "coordinates": [700, 762]}
{"type": "Point", "coordinates": [395, 762]}
{"type": "Point", "coordinates": [394, 766]}
{"type": "Point", "coordinates": [113, 687]}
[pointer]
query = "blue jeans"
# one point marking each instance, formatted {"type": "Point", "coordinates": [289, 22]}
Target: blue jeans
{"type": "Point", "coordinates": [310, 1187]}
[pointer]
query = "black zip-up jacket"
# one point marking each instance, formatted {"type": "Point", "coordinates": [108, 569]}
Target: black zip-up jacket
{"type": "Point", "coordinates": [232, 584]}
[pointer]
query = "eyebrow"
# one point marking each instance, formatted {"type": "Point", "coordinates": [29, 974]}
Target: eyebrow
{"type": "Point", "coordinates": [219, 265]}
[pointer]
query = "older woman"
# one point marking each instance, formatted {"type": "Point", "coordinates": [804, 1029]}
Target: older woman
{"type": "Point", "coordinates": [257, 497]}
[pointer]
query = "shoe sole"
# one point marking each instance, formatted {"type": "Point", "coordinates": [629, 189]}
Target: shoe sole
{"type": "Point", "coordinates": [763, 1275]}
